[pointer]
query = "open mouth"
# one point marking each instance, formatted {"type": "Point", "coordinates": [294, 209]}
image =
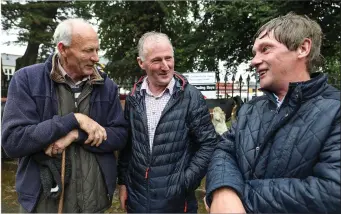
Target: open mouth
{"type": "Point", "coordinates": [262, 73]}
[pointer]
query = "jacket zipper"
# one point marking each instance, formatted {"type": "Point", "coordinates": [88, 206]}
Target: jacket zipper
{"type": "Point", "coordinates": [135, 104]}
{"type": "Point", "coordinates": [144, 118]}
{"type": "Point", "coordinates": [259, 148]}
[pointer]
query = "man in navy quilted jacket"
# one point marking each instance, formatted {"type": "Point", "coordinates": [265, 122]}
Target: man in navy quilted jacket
{"type": "Point", "coordinates": [65, 106]}
{"type": "Point", "coordinates": [283, 152]}
{"type": "Point", "coordinates": [171, 135]}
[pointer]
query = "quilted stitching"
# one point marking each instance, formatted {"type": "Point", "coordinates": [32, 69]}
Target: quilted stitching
{"type": "Point", "coordinates": [297, 165]}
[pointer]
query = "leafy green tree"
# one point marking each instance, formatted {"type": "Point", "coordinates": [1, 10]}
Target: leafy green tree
{"type": "Point", "coordinates": [228, 28]}
{"type": "Point", "coordinates": [122, 23]}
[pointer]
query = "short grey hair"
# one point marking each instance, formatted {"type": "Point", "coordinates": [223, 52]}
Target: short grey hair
{"type": "Point", "coordinates": [155, 36]}
{"type": "Point", "coordinates": [291, 30]}
{"type": "Point", "coordinates": [63, 32]}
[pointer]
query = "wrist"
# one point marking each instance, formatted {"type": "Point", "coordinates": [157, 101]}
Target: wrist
{"type": "Point", "coordinates": [74, 134]}
{"type": "Point", "coordinates": [225, 192]}
{"type": "Point", "coordinates": [78, 117]}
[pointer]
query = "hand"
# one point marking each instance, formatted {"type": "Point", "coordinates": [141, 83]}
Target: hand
{"type": "Point", "coordinates": [48, 150]}
{"type": "Point", "coordinates": [123, 197]}
{"type": "Point", "coordinates": [96, 133]}
{"type": "Point", "coordinates": [226, 200]}
{"type": "Point", "coordinates": [52, 151]}
{"type": "Point", "coordinates": [59, 146]}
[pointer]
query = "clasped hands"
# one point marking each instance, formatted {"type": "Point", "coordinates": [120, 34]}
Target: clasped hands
{"type": "Point", "coordinates": [96, 135]}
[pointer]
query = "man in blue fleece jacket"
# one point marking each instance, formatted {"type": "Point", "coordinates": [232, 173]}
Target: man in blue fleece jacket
{"type": "Point", "coordinates": [65, 104]}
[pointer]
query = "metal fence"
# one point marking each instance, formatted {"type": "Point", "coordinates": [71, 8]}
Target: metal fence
{"type": "Point", "coordinates": [240, 87]}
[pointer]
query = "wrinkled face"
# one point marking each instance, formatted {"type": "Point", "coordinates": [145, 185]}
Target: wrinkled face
{"type": "Point", "coordinates": [81, 56]}
{"type": "Point", "coordinates": [158, 62]}
{"type": "Point", "coordinates": [273, 62]}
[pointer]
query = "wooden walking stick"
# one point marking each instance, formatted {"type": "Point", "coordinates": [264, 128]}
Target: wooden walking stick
{"type": "Point", "coordinates": [61, 199]}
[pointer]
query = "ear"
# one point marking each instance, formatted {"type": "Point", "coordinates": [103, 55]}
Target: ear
{"type": "Point", "coordinates": [61, 49]}
{"type": "Point", "coordinates": [140, 62]}
{"type": "Point", "coordinates": [304, 49]}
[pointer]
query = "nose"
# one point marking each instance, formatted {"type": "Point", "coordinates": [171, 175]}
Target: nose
{"type": "Point", "coordinates": [95, 57]}
{"type": "Point", "coordinates": [164, 65]}
{"type": "Point", "coordinates": [256, 61]}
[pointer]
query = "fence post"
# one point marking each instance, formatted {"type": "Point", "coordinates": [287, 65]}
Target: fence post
{"type": "Point", "coordinates": [248, 86]}
{"type": "Point", "coordinates": [225, 79]}
{"type": "Point", "coordinates": [218, 81]}
{"type": "Point", "coordinates": [233, 79]}
{"type": "Point", "coordinates": [240, 86]}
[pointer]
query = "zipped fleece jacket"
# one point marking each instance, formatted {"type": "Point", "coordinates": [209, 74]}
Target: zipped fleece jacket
{"type": "Point", "coordinates": [284, 159]}
{"type": "Point", "coordinates": [165, 179]}
{"type": "Point", "coordinates": [31, 123]}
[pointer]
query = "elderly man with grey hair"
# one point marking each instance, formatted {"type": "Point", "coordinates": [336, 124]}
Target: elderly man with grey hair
{"type": "Point", "coordinates": [63, 120]}
{"type": "Point", "coordinates": [171, 135]}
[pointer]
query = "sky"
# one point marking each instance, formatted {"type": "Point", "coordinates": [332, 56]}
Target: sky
{"type": "Point", "coordinates": [12, 48]}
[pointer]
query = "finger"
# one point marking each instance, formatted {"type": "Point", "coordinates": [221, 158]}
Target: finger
{"type": "Point", "coordinates": [48, 151]}
{"type": "Point", "coordinates": [59, 145]}
{"type": "Point", "coordinates": [54, 151]}
{"type": "Point", "coordinates": [90, 138]}
{"type": "Point", "coordinates": [121, 203]}
{"type": "Point", "coordinates": [104, 133]}
{"type": "Point", "coordinates": [100, 141]}
{"type": "Point", "coordinates": [96, 139]}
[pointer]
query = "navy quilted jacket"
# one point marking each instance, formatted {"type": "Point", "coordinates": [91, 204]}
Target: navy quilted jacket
{"type": "Point", "coordinates": [165, 180]}
{"type": "Point", "coordinates": [286, 159]}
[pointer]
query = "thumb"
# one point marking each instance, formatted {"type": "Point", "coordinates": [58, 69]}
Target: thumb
{"type": "Point", "coordinates": [122, 203]}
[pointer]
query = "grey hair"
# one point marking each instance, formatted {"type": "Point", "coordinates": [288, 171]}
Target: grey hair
{"type": "Point", "coordinates": [63, 32]}
{"type": "Point", "coordinates": [156, 37]}
{"type": "Point", "coordinates": [291, 30]}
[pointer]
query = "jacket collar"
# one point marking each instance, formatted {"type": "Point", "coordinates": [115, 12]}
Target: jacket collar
{"type": "Point", "coordinates": [145, 87]}
{"type": "Point", "coordinates": [302, 91]}
{"type": "Point", "coordinates": [180, 84]}
{"type": "Point", "coordinates": [56, 75]}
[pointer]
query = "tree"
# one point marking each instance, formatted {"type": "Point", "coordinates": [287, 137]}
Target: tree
{"type": "Point", "coordinates": [36, 22]}
{"type": "Point", "coordinates": [229, 26]}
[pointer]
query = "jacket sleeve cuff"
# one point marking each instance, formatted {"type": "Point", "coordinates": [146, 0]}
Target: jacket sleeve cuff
{"type": "Point", "coordinates": [120, 180]}
{"type": "Point", "coordinates": [70, 122]}
{"type": "Point", "coordinates": [82, 136]}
